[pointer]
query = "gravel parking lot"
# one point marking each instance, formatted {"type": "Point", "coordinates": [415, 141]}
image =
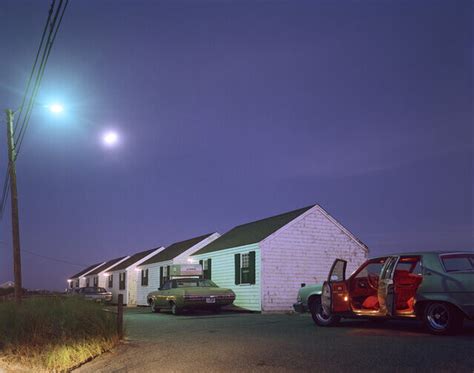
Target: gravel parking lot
{"type": "Point", "coordinates": [203, 342]}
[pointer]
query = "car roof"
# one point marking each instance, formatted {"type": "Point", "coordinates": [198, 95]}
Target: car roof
{"type": "Point", "coordinates": [421, 253]}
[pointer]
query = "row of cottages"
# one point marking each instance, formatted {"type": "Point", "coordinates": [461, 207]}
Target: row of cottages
{"type": "Point", "coordinates": [78, 280]}
{"type": "Point", "coordinates": [266, 261]}
{"type": "Point", "coordinates": [122, 278]}
{"type": "Point", "coordinates": [156, 270]}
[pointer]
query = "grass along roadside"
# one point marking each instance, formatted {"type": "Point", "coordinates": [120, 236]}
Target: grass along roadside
{"type": "Point", "coordinates": [54, 333]}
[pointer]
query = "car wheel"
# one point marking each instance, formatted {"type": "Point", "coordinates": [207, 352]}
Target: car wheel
{"type": "Point", "coordinates": [442, 318]}
{"type": "Point", "coordinates": [174, 309]}
{"type": "Point", "coordinates": [153, 307]}
{"type": "Point", "coordinates": [320, 317]}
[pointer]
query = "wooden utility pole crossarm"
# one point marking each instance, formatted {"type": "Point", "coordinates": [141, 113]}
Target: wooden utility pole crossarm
{"type": "Point", "coordinates": [14, 207]}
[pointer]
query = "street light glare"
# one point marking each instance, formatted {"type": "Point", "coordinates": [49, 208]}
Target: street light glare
{"type": "Point", "coordinates": [110, 138]}
{"type": "Point", "coordinates": [56, 108]}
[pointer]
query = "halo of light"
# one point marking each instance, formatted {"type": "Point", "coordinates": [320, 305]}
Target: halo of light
{"type": "Point", "coordinates": [110, 138]}
{"type": "Point", "coordinates": [56, 108]}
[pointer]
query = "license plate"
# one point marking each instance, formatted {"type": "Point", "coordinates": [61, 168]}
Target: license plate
{"type": "Point", "coordinates": [210, 300]}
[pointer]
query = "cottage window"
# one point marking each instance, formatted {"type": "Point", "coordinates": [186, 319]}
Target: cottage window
{"type": "Point", "coordinates": [87, 282]}
{"type": "Point", "coordinates": [245, 268]}
{"type": "Point", "coordinates": [71, 284]}
{"type": "Point", "coordinates": [145, 277]}
{"type": "Point", "coordinates": [95, 281]}
{"type": "Point", "coordinates": [122, 281]}
{"type": "Point", "coordinates": [77, 283]}
{"type": "Point", "coordinates": [164, 274]}
{"type": "Point", "coordinates": [111, 281]}
{"type": "Point", "coordinates": [206, 268]}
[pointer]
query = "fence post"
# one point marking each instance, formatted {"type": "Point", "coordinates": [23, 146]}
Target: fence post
{"type": "Point", "coordinates": [120, 316]}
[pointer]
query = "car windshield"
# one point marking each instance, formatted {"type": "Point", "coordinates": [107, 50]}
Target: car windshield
{"type": "Point", "coordinates": [186, 283]}
{"type": "Point", "coordinates": [458, 262]}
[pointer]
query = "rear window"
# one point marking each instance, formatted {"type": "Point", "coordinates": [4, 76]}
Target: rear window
{"type": "Point", "coordinates": [458, 262]}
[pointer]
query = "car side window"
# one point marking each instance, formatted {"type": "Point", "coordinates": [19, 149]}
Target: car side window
{"type": "Point", "coordinates": [370, 269]}
{"type": "Point", "coordinates": [166, 286]}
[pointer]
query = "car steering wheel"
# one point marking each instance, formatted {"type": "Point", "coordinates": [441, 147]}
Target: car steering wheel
{"type": "Point", "coordinates": [373, 280]}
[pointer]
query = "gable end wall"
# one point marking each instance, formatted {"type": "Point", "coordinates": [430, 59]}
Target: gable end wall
{"type": "Point", "coordinates": [303, 252]}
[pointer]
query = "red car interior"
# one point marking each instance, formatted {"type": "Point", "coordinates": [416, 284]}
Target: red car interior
{"type": "Point", "coordinates": [364, 291]}
{"type": "Point", "coordinates": [406, 284]}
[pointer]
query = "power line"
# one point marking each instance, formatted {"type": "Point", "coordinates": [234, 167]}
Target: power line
{"type": "Point", "coordinates": [54, 259]}
{"type": "Point", "coordinates": [53, 30]}
{"type": "Point", "coordinates": [40, 47]}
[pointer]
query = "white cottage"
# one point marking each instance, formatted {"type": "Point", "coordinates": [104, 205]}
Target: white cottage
{"type": "Point", "coordinates": [155, 271]}
{"type": "Point", "coordinates": [122, 278]}
{"type": "Point", "coordinates": [97, 277]}
{"type": "Point", "coordinates": [78, 280]}
{"type": "Point", "coordinates": [266, 261]}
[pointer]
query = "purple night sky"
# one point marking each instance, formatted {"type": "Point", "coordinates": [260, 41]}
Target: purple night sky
{"type": "Point", "coordinates": [231, 111]}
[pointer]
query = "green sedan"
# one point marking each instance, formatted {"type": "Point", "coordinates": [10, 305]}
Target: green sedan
{"type": "Point", "coordinates": [436, 287]}
{"type": "Point", "coordinates": [189, 293]}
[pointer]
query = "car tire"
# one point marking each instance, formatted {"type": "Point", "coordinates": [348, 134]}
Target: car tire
{"type": "Point", "coordinates": [319, 317]}
{"type": "Point", "coordinates": [153, 307]}
{"type": "Point", "coordinates": [174, 309]}
{"type": "Point", "coordinates": [442, 318]}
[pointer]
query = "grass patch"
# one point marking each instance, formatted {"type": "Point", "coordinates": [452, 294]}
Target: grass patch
{"type": "Point", "coordinates": [55, 333]}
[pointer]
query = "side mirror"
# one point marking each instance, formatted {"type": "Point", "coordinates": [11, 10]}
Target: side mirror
{"type": "Point", "coordinates": [303, 285]}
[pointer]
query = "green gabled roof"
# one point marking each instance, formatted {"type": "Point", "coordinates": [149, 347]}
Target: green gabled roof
{"type": "Point", "coordinates": [175, 249]}
{"type": "Point", "coordinates": [104, 266]}
{"type": "Point", "coordinates": [253, 232]}
{"type": "Point", "coordinates": [133, 259]}
{"type": "Point", "coordinates": [79, 274]}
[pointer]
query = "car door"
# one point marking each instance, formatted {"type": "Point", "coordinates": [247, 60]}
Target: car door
{"type": "Point", "coordinates": [386, 287]}
{"type": "Point", "coordinates": [162, 295]}
{"type": "Point", "coordinates": [334, 296]}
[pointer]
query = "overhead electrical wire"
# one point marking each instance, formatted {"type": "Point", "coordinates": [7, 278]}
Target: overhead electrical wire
{"type": "Point", "coordinates": [54, 28]}
{"type": "Point", "coordinates": [45, 48]}
{"type": "Point", "coordinates": [40, 47]}
{"type": "Point", "coordinates": [54, 259]}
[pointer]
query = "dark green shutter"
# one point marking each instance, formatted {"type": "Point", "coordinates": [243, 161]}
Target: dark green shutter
{"type": "Point", "coordinates": [161, 277]}
{"type": "Point", "coordinates": [209, 269]}
{"type": "Point", "coordinates": [168, 272]}
{"type": "Point", "coordinates": [237, 268]}
{"type": "Point", "coordinates": [200, 262]}
{"type": "Point", "coordinates": [252, 267]}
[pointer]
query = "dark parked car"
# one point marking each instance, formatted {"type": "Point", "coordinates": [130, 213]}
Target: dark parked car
{"type": "Point", "coordinates": [436, 287]}
{"type": "Point", "coordinates": [96, 294]}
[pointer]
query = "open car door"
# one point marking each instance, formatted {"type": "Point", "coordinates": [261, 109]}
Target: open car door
{"type": "Point", "coordinates": [334, 296]}
{"type": "Point", "coordinates": [386, 290]}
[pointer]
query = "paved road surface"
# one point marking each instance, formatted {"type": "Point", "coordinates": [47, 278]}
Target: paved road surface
{"type": "Point", "coordinates": [279, 343]}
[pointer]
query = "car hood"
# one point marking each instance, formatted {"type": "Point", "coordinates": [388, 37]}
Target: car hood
{"type": "Point", "coordinates": [304, 292]}
{"type": "Point", "coordinates": [207, 291]}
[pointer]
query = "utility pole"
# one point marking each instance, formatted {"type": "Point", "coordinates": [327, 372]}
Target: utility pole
{"type": "Point", "coordinates": [14, 206]}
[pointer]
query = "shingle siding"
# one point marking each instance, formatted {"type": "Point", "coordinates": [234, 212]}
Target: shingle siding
{"type": "Point", "coordinates": [247, 296]}
{"type": "Point", "coordinates": [303, 252]}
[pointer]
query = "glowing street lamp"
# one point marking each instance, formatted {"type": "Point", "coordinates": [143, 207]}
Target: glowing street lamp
{"type": "Point", "coordinates": [56, 108]}
{"type": "Point", "coordinates": [110, 138]}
